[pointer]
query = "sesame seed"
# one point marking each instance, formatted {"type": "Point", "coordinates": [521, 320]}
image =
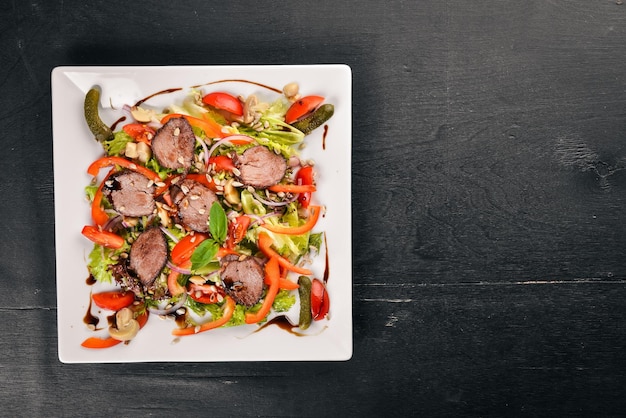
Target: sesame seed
{"type": "Point", "coordinates": [176, 131]}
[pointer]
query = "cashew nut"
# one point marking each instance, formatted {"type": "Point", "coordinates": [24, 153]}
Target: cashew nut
{"type": "Point", "coordinates": [141, 115]}
{"type": "Point", "coordinates": [231, 194]}
{"type": "Point", "coordinates": [127, 326]}
{"type": "Point", "coordinates": [290, 90]}
{"type": "Point", "coordinates": [248, 109]}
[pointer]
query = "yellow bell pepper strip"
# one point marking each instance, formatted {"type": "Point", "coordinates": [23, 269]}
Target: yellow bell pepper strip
{"type": "Point", "coordinates": [265, 245]}
{"type": "Point", "coordinates": [98, 214]}
{"type": "Point", "coordinates": [314, 214]}
{"type": "Point", "coordinates": [211, 128]}
{"type": "Point", "coordinates": [272, 274]}
{"type": "Point", "coordinates": [95, 167]}
{"type": "Point", "coordinates": [229, 309]}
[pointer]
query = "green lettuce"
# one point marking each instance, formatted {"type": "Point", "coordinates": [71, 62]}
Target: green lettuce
{"type": "Point", "coordinates": [101, 259]}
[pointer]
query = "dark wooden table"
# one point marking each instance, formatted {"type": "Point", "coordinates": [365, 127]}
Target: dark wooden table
{"type": "Point", "coordinates": [489, 190]}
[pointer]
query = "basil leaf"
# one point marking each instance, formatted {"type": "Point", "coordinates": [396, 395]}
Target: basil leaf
{"type": "Point", "coordinates": [218, 223]}
{"type": "Point", "coordinates": [204, 254]}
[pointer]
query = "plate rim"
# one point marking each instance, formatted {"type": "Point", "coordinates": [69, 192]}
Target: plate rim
{"type": "Point", "coordinates": [59, 73]}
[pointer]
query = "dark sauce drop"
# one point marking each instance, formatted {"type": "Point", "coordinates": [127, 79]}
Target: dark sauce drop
{"type": "Point", "coordinates": [111, 321]}
{"type": "Point", "coordinates": [181, 319]}
{"type": "Point", "coordinates": [90, 319]}
{"type": "Point", "coordinates": [237, 80]}
{"type": "Point", "coordinates": [117, 122]}
{"type": "Point", "coordinates": [90, 280]}
{"type": "Point", "coordinates": [166, 91]}
{"type": "Point", "coordinates": [326, 267]}
{"type": "Point", "coordinates": [324, 137]}
{"type": "Point", "coordinates": [282, 323]}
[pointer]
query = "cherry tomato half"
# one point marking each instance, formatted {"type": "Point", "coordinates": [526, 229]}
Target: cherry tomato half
{"type": "Point", "coordinates": [104, 238]}
{"type": "Point", "coordinates": [113, 300]}
{"type": "Point", "coordinates": [302, 107]}
{"type": "Point", "coordinates": [320, 303]}
{"type": "Point", "coordinates": [224, 101]}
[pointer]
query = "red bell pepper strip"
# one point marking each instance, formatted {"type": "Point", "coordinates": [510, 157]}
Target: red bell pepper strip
{"type": "Point", "coordinates": [283, 281]}
{"type": "Point", "coordinates": [211, 128]}
{"type": "Point", "coordinates": [293, 188]}
{"type": "Point", "coordinates": [265, 245]}
{"type": "Point", "coordinates": [95, 342]}
{"type": "Point", "coordinates": [104, 238]}
{"type": "Point", "coordinates": [223, 252]}
{"type": "Point", "coordinates": [184, 248]}
{"type": "Point", "coordinates": [98, 214]}
{"type": "Point", "coordinates": [272, 274]}
{"type": "Point", "coordinates": [314, 214]}
{"type": "Point", "coordinates": [113, 300]}
{"type": "Point", "coordinates": [224, 101]}
{"type": "Point", "coordinates": [302, 107]}
{"type": "Point", "coordinates": [229, 309]}
{"type": "Point", "coordinates": [139, 132]}
{"type": "Point", "coordinates": [95, 167]}
{"type": "Point", "coordinates": [204, 180]}
{"type": "Point", "coordinates": [222, 163]}
{"type": "Point", "coordinates": [173, 286]}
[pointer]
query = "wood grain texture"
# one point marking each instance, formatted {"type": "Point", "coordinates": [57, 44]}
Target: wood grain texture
{"type": "Point", "coordinates": [488, 194]}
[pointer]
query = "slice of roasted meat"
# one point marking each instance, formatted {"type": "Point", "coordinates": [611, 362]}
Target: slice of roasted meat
{"type": "Point", "coordinates": [148, 255]}
{"type": "Point", "coordinates": [260, 167]}
{"type": "Point", "coordinates": [130, 193]}
{"type": "Point", "coordinates": [173, 144]}
{"type": "Point", "coordinates": [242, 279]}
{"type": "Point", "coordinates": [194, 202]}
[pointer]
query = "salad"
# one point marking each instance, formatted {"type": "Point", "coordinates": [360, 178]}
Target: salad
{"type": "Point", "coordinates": [204, 212]}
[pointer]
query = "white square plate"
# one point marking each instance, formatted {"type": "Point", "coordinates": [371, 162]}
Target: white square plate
{"type": "Point", "coordinates": [75, 149]}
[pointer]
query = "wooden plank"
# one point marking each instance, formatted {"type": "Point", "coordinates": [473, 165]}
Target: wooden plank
{"type": "Point", "coordinates": [534, 348]}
